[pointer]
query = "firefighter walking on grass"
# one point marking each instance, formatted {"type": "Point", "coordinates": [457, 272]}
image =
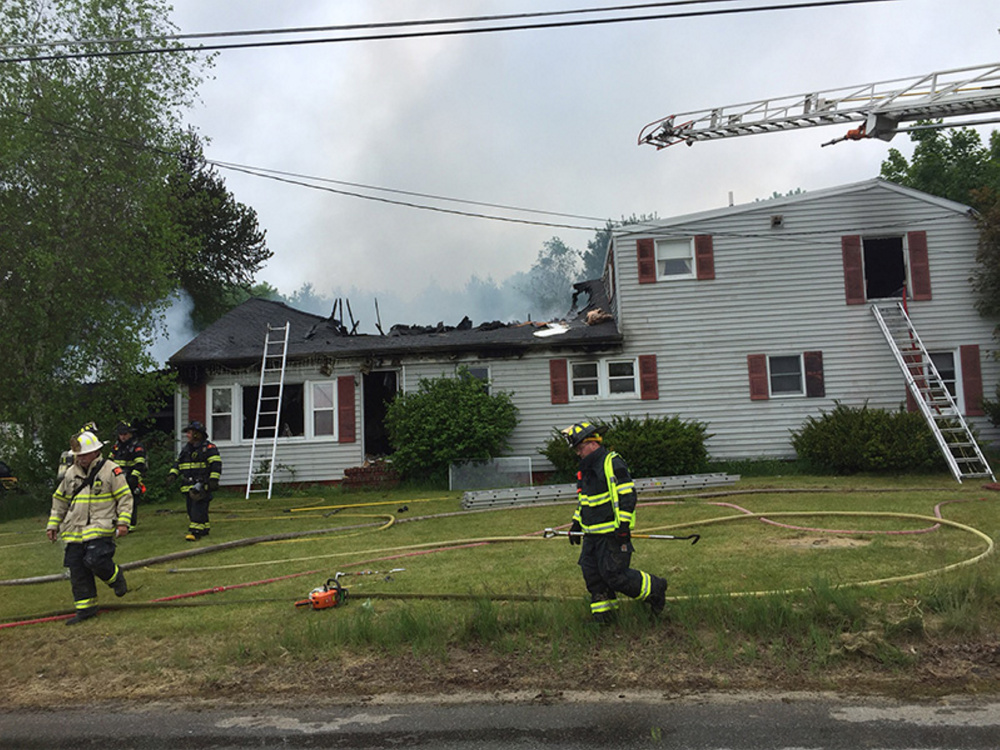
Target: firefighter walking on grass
{"type": "Point", "coordinates": [602, 523]}
{"type": "Point", "coordinates": [199, 467]}
{"type": "Point", "coordinates": [130, 454]}
{"type": "Point", "coordinates": [91, 506]}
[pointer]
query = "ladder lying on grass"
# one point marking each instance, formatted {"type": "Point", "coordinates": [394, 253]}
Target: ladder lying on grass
{"type": "Point", "coordinates": [932, 396]}
{"type": "Point", "coordinates": [267, 422]}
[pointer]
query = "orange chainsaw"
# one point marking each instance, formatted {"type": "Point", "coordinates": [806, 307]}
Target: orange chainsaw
{"type": "Point", "coordinates": [330, 594]}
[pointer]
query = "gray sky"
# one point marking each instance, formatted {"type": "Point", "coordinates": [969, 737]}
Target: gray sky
{"type": "Point", "coordinates": [546, 119]}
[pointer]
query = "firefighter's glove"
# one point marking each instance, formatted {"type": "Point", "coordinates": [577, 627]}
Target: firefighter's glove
{"type": "Point", "coordinates": [574, 533]}
{"type": "Point", "coordinates": [213, 484]}
{"type": "Point", "coordinates": [171, 478]}
{"type": "Point", "coordinates": [623, 533]}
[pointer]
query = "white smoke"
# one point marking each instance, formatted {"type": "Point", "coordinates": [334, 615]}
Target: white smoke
{"type": "Point", "coordinates": [176, 331]}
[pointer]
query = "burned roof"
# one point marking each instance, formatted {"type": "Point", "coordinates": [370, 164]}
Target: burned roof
{"type": "Point", "coordinates": [238, 336]}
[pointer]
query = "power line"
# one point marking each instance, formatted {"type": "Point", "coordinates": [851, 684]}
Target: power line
{"type": "Point", "coordinates": [357, 26]}
{"type": "Point", "coordinates": [437, 33]}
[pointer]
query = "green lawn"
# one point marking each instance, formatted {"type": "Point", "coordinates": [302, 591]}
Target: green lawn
{"type": "Point", "coordinates": [797, 592]}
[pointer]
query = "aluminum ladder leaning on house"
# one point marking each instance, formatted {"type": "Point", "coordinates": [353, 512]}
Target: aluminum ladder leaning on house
{"type": "Point", "coordinates": [269, 392]}
{"type": "Point", "coordinates": [932, 396]}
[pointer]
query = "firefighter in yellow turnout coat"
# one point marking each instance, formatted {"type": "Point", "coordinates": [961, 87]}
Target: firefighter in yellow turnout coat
{"type": "Point", "coordinates": [603, 523]}
{"type": "Point", "coordinates": [91, 506]}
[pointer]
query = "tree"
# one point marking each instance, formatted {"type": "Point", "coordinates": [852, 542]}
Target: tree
{"type": "Point", "coordinates": [225, 246]}
{"type": "Point", "coordinates": [548, 285]}
{"type": "Point", "coordinates": [87, 239]}
{"type": "Point", "coordinates": [952, 164]}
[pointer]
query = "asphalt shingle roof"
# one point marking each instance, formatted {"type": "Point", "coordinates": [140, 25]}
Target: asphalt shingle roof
{"type": "Point", "coordinates": [238, 336]}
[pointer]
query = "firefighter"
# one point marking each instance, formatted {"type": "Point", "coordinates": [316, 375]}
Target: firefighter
{"type": "Point", "coordinates": [602, 523]}
{"type": "Point", "coordinates": [66, 458]}
{"type": "Point", "coordinates": [199, 467]}
{"type": "Point", "coordinates": [130, 454]}
{"type": "Point", "coordinates": [91, 506]}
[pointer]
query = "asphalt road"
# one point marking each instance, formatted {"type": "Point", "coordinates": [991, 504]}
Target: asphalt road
{"type": "Point", "coordinates": [707, 723]}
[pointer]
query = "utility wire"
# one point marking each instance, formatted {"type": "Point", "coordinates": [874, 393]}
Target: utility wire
{"type": "Point", "coordinates": [356, 26]}
{"type": "Point", "coordinates": [438, 33]}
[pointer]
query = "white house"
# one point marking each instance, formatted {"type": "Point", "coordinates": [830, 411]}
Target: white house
{"type": "Point", "coordinates": [749, 318]}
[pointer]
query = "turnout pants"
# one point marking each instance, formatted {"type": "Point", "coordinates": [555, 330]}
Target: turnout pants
{"type": "Point", "coordinates": [86, 560]}
{"type": "Point", "coordinates": [604, 561]}
{"type": "Point", "coordinates": [197, 511]}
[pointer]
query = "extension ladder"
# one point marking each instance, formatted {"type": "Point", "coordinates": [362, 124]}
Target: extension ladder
{"type": "Point", "coordinates": [931, 394]}
{"type": "Point", "coordinates": [267, 422]}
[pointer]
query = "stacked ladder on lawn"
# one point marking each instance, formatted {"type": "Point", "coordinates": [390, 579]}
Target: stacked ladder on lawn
{"type": "Point", "coordinates": [554, 493]}
{"type": "Point", "coordinates": [931, 394]}
{"type": "Point", "coordinates": [267, 422]}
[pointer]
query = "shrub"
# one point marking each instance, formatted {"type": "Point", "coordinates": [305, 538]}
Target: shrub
{"type": "Point", "coordinates": [652, 447]}
{"type": "Point", "coordinates": [447, 419]}
{"type": "Point", "coordinates": [850, 440]}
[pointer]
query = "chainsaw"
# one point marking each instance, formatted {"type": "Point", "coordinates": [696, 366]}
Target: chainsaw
{"type": "Point", "coordinates": [330, 594]}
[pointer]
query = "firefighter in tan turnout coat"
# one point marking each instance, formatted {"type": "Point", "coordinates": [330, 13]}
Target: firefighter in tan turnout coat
{"type": "Point", "coordinates": [91, 506]}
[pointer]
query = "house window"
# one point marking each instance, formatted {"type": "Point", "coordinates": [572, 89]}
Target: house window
{"type": "Point", "coordinates": [603, 378]}
{"type": "Point", "coordinates": [885, 269]}
{"type": "Point", "coordinates": [785, 376]}
{"type": "Point", "coordinates": [621, 376]}
{"type": "Point", "coordinates": [323, 408]}
{"type": "Point", "coordinates": [949, 367]}
{"type": "Point", "coordinates": [479, 372]}
{"type": "Point", "coordinates": [674, 259]}
{"type": "Point", "coordinates": [585, 379]}
{"type": "Point", "coordinates": [221, 419]}
{"type": "Point", "coordinates": [288, 418]}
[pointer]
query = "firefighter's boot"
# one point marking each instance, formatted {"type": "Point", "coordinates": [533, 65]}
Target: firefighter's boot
{"type": "Point", "coordinates": [119, 586]}
{"type": "Point", "coordinates": [81, 615]}
{"type": "Point", "coordinates": [658, 596]}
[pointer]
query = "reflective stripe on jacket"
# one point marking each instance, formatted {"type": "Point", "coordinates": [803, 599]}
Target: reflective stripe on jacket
{"type": "Point", "coordinates": [606, 493]}
{"type": "Point", "coordinates": [198, 463]}
{"type": "Point", "coordinates": [82, 512]}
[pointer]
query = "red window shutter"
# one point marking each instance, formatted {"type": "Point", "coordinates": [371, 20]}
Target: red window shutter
{"type": "Point", "coordinates": [704, 257]}
{"type": "Point", "coordinates": [854, 272]}
{"type": "Point", "coordinates": [920, 268]}
{"type": "Point", "coordinates": [972, 380]}
{"type": "Point", "coordinates": [646, 254]}
{"type": "Point", "coordinates": [196, 404]}
{"type": "Point", "coordinates": [757, 366]}
{"type": "Point", "coordinates": [559, 381]}
{"type": "Point", "coordinates": [649, 382]}
{"type": "Point", "coordinates": [815, 388]}
{"type": "Point", "coordinates": [346, 421]}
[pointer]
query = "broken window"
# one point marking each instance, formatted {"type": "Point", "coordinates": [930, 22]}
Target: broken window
{"type": "Point", "coordinates": [885, 267]}
{"type": "Point", "coordinates": [290, 419]}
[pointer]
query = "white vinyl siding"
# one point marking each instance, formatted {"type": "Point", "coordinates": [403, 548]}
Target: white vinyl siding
{"type": "Point", "coordinates": [782, 291]}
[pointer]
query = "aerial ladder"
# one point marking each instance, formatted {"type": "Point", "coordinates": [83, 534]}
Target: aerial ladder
{"type": "Point", "coordinates": [877, 109]}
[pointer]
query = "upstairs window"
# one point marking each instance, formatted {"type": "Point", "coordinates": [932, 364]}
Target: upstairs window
{"type": "Point", "coordinates": [674, 259]}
